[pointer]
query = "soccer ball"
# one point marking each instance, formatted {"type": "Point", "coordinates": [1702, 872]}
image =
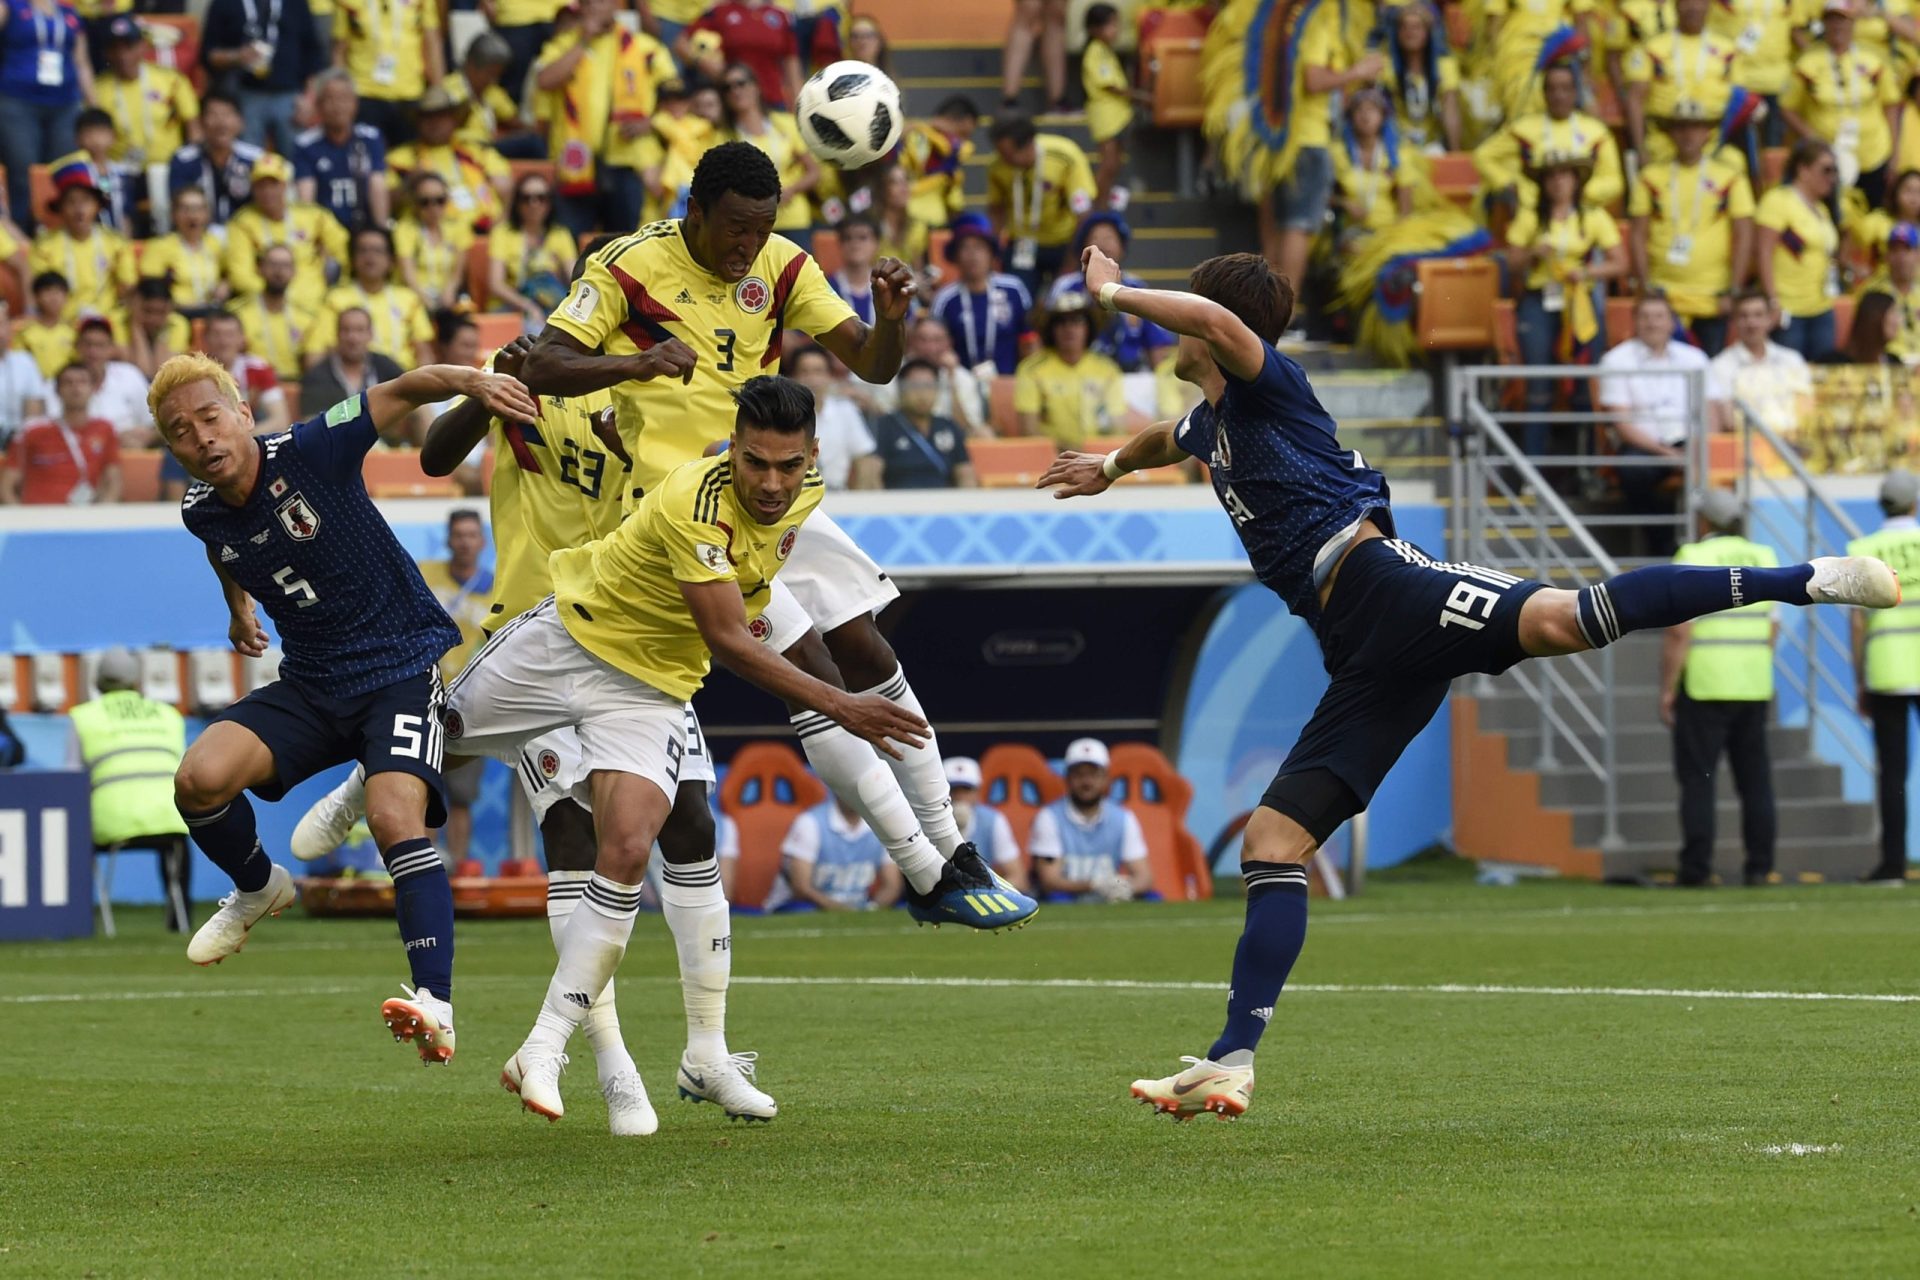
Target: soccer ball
{"type": "Point", "coordinates": [849, 114]}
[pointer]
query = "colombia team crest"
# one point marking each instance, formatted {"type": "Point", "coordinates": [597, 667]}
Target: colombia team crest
{"type": "Point", "coordinates": [455, 726]}
{"type": "Point", "coordinates": [298, 518]}
{"type": "Point", "coordinates": [785, 547]}
{"type": "Point", "coordinates": [760, 628]}
{"type": "Point", "coordinates": [753, 294]}
{"type": "Point", "coordinates": [549, 765]}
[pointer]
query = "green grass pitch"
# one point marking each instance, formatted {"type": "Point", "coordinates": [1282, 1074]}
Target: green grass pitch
{"type": "Point", "coordinates": [954, 1104]}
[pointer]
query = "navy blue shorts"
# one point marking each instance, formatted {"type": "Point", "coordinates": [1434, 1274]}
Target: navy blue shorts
{"type": "Point", "coordinates": [394, 729]}
{"type": "Point", "coordinates": [1397, 629]}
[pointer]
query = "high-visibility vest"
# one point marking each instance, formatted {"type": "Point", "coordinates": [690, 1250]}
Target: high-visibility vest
{"type": "Point", "coordinates": [131, 746]}
{"type": "Point", "coordinates": [1730, 654]}
{"type": "Point", "coordinates": [1893, 635]}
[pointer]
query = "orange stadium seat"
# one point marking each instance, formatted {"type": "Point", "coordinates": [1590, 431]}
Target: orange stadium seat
{"type": "Point", "coordinates": [40, 185]}
{"type": "Point", "coordinates": [478, 265]}
{"type": "Point", "coordinates": [140, 475]}
{"type": "Point", "coordinates": [396, 473]}
{"type": "Point", "coordinates": [1179, 99]}
{"type": "Point", "coordinates": [498, 328]}
{"type": "Point", "coordinates": [1842, 319]}
{"type": "Point", "coordinates": [767, 787]}
{"type": "Point", "coordinates": [1455, 307]}
{"type": "Point", "coordinates": [518, 169]}
{"type": "Point", "coordinates": [945, 272]}
{"type": "Point", "coordinates": [1004, 418]}
{"type": "Point", "coordinates": [1015, 779]}
{"type": "Point", "coordinates": [1159, 797]}
{"type": "Point", "coordinates": [1454, 176]}
{"type": "Point", "coordinates": [826, 250]}
{"type": "Point", "coordinates": [1506, 331]}
{"type": "Point", "coordinates": [1011, 464]}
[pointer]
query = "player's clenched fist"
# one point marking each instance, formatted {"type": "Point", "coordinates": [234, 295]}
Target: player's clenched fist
{"type": "Point", "coordinates": [880, 721]}
{"type": "Point", "coordinates": [670, 359]}
{"type": "Point", "coordinates": [1076, 474]}
{"type": "Point", "coordinates": [893, 288]}
{"type": "Point", "coordinates": [505, 397]}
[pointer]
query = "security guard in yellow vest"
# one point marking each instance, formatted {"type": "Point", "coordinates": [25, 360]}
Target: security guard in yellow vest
{"type": "Point", "coordinates": [1716, 681]}
{"type": "Point", "coordinates": [130, 746]}
{"type": "Point", "coordinates": [1886, 666]}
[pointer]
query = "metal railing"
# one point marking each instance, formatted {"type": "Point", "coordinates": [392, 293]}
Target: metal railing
{"type": "Point", "coordinates": [1784, 511]}
{"type": "Point", "coordinates": [1504, 514]}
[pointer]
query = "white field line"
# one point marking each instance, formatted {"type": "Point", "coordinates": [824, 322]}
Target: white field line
{"type": "Point", "coordinates": [1052, 984]}
{"type": "Point", "coordinates": [1798, 1149]}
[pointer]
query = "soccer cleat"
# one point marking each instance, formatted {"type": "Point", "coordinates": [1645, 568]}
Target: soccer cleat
{"type": "Point", "coordinates": [325, 827]}
{"type": "Point", "coordinates": [225, 931]}
{"type": "Point", "coordinates": [629, 1112]}
{"type": "Point", "coordinates": [426, 1021]}
{"type": "Point", "coordinates": [1860, 580]}
{"type": "Point", "coordinates": [971, 894]}
{"type": "Point", "coordinates": [729, 1083]}
{"type": "Point", "coordinates": [1203, 1086]}
{"type": "Point", "coordinates": [534, 1073]}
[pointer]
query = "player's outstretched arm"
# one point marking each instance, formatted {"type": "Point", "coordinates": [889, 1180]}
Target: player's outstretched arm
{"type": "Point", "coordinates": [721, 616]}
{"type": "Point", "coordinates": [455, 434]}
{"type": "Point", "coordinates": [389, 403]}
{"type": "Point", "coordinates": [873, 351]}
{"type": "Point", "coordinates": [243, 627]}
{"type": "Point", "coordinates": [562, 365]}
{"type": "Point", "coordinates": [1075, 475]}
{"type": "Point", "coordinates": [1236, 349]}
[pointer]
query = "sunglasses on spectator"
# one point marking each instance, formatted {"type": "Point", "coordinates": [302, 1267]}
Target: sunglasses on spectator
{"type": "Point", "coordinates": [542, 196]}
{"type": "Point", "coordinates": [427, 201]}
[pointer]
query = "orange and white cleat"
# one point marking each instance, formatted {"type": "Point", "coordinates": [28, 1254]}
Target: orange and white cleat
{"type": "Point", "coordinates": [1204, 1086]}
{"type": "Point", "coordinates": [225, 931]}
{"type": "Point", "coordinates": [533, 1073]}
{"type": "Point", "coordinates": [1858, 580]}
{"type": "Point", "coordinates": [423, 1020]}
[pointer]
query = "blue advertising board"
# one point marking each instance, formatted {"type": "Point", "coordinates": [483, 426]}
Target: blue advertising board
{"type": "Point", "coordinates": [46, 855]}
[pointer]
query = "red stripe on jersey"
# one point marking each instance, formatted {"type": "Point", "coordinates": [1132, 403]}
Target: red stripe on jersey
{"type": "Point", "coordinates": [782, 290]}
{"type": "Point", "coordinates": [516, 438]}
{"type": "Point", "coordinates": [643, 325]}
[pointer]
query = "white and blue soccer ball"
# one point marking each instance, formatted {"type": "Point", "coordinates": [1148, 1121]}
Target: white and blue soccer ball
{"type": "Point", "coordinates": [849, 114]}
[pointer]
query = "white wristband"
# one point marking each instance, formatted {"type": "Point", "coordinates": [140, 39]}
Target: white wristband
{"type": "Point", "coordinates": [1110, 466]}
{"type": "Point", "coordinates": [1107, 291]}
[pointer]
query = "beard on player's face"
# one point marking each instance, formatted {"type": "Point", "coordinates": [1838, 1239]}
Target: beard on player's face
{"type": "Point", "coordinates": [727, 238]}
{"type": "Point", "coordinates": [768, 469]}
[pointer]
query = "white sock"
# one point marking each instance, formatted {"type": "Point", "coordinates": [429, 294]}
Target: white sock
{"type": "Point", "coordinates": [921, 773]}
{"type": "Point", "coordinates": [602, 1023]}
{"type": "Point", "coordinates": [853, 770]}
{"type": "Point", "coordinates": [697, 914]}
{"type": "Point", "coordinates": [591, 947]}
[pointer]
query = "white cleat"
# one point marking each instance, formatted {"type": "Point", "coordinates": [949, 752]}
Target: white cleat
{"type": "Point", "coordinates": [1204, 1086]}
{"type": "Point", "coordinates": [225, 932]}
{"type": "Point", "coordinates": [424, 1020]}
{"type": "Point", "coordinates": [1859, 580]}
{"type": "Point", "coordinates": [534, 1073]}
{"type": "Point", "coordinates": [630, 1113]}
{"type": "Point", "coordinates": [325, 827]}
{"type": "Point", "coordinates": [729, 1083]}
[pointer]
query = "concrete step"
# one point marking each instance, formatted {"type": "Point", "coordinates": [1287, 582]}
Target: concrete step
{"type": "Point", "coordinates": [1798, 819]}
{"type": "Point", "coordinates": [1653, 782]}
{"type": "Point", "coordinates": [1837, 861]}
{"type": "Point", "coordinates": [1646, 743]}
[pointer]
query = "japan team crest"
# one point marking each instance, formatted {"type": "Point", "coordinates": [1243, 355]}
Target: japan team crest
{"type": "Point", "coordinates": [549, 765]}
{"type": "Point", "coordinates": [785, 547]}
{"type": "Point", "coordinates": [298, 518]}
{"type": "Point", "coordinates": [760, 628]}
{"type": "Point", "coordinates": [753, 294]}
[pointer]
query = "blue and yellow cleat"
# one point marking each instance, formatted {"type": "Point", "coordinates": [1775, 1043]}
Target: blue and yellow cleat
{"type": "Point", "coordinates": [970, 894]}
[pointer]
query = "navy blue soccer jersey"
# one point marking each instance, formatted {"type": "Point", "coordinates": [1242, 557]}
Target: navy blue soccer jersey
{"type": "Point", "coordinates": [311, 548]}
{"type": "Point", "coordinates": [1289, 487]}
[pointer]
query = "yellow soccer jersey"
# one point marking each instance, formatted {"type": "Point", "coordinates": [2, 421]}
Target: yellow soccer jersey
{"type": "Point", "coordinates": [50, 345]}
{"type": "Point", "coordinates": [399, 318]}
{"type": "Point", "coordinates": [196, 270]}
{"type": "Point", "coordinates": [384, 43]}
{"type": "Point", "coordinates": [620, 597]}
{"type": "Point", "coordinates": [278, 337]}
{"type": "Point", "coordinates": [555, 486]}
{"type": "Point", "coordinates": [98, 269]}
{"type": "Point", "coordinates": [1690, 214]}
{"type": "Point", "coordinates": [1047, 201]}
{"type": "Point", "coordinates": [150, 112]}
{"type": "Point", "coordinates": [646, 287]}
{"type": "Point", "coordinates": [469, 172]}
{"type": "Point", "coordinates": [466, 603]}
{"type": "Point", "coordinates": [312, 235]}
{"type": "Point", "coordinates": [1109, 95]}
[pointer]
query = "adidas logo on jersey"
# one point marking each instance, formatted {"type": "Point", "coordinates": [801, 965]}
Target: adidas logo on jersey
{"type": "Point", "coordinates": [684, 298]}
{"type": "Point", "coordinates": [228, 555]}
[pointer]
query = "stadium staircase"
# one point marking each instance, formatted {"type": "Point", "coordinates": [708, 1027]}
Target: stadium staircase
{"type": "Point", "coordinates": [1565, 767]}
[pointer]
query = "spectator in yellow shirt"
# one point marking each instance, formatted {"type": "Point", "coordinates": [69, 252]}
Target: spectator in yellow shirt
{"type": "Point", "coordinates": [1847, 98]}
{"type": "Point", "coordinates": [777, 134]}
{"type": "Point", "coordinates": [1561, 130]}
{"type": "Point", "coordinates": [392, 48]}
{"type": "Point", "coordinates": [1039, 186]}
{"type": "Point", "coordinates": [934, 153]}
{"type": "Point", "coordinates": [46, 334]}
{"type": "Point", "coordinates": [1688, 62]}
{"type": "Point", "coordinates": [431, 246]}
{"type": "Point", "coordinates": [598, 85]}
{"type": "Point", "coordinates": [188, 257]}
{"type": "Point", "coordinates": [276, 325]}
{"type": "Point", "coordinates": [154, 108]}
{"type": "Point", "coordinates": [1693, 227]}
{"type": "Point", "coordinates": [1066, 391]}
{"type": "Point", "coordinates": [477, 176]}
{"type": "Point", "coordinates": [1109, 100]}
{"type": "Point", "coordinates": [402, 330]}
{"type": "Point", "coordinates": [530, 255]}
{"type": "Point", "coordinates": [496, 120]}
{"type": "Point", "coordinates": [1867, 229]}
{"type": "Point", "coordinates": [1796, 245]}
{"type": "Point", "coordinates": [1762, 34]}
{"type": "Point", "coordinates": [273, 217]}
{"type": "Point", "coordinates": [1422, 79]}
{"type": "Point", "coordinates": [1899, 279]}
{"type": "Point", "coordinates": [524, 27]}
{"type": "Point", "coordinates": [98, 264]}
{"type": "Point", "coordinates": [902, 235]}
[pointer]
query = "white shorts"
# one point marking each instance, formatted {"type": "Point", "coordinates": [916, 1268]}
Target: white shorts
{"type": "Point", "coordinates": [786, 621]}
{"type": "Point", "coordinates": [834, 580]}
{"type": "Point", "coordinates": [551, 768]}
{"type": "Point", "coordinates": [532, 678]}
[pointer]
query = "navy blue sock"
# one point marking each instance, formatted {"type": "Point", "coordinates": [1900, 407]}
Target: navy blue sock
{"type": "Point", "coordinates": [1664, 595]}
{"type": "Point", "coordinates": [423, 902]}
{"type": "Point", "coordinates": [227, 836]}
{"type": "Point", "coordinates": [1276, 930]}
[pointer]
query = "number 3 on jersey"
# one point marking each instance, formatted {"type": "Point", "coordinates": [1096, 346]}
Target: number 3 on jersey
{"type": "Point", "coordinates": [725, 338]}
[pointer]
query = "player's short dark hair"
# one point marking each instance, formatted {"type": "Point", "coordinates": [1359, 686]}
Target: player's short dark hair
{"type": "Point", "coordinates": [212, 96]}
{"type": "Point", "coordinates": [489, 49]}
{"type": "Point", "coordinates": [362, 312]}
{"type": "Point", "coordinates": [1018, 130]}
{"type": "Point", "coordinates": [915, 364]}
{"type": "Point", "coordinates": [794, 357]}
{"type": "Point", "coordinates": [153, 289]}
{"type": "Point", "coordinates": [1246, 285]}
{"type": "Point", "coordinates": [93, 118]}
{"type": "Point", "coordinates": [866, 220]}
{"type": "Point", "coordinates": [49, 280]}
{"type": "Point", "coordinates": [458, 514]}
{"type": "Point", "coordinates": [774, 404]}
{"type": "Point", "coordinates": [1099, 15]}
{"type": "Point", "coordinates": [739, 167]}
{"type": "Point", "coordinates": [957, 104]}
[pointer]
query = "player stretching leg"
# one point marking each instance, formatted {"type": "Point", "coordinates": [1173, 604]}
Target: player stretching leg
{"type": "Point", "coordinates": [672, 318]}
{"type": "Point", "coordinates": [1395, 625]}
{"type": "Point", "coordinates": [288, 523]}
{"type": "Point", "coordinates": [616, 651]}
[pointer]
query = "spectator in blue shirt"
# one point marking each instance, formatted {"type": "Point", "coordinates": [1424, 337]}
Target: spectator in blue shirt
{"type": "Point", "coordinates": [45, 78]}
{"type": "Point", "coordinates": [859, 247]}
{"type": "Point", "coordinates": [1134, 344]}
{"type": "Point", "coordinates": [985, 311]}
{"type": "Point", "coordinates": [914, 449]}
{"type": "Point", "coordinates": [221, 163]}
{"type": "Point", "coordinates": [342, 165]}
{"type": "Point", "coordinates": [262, 51]}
